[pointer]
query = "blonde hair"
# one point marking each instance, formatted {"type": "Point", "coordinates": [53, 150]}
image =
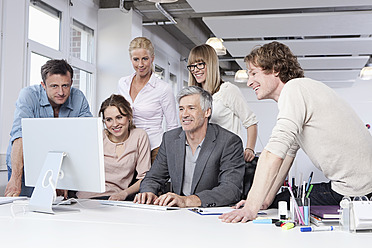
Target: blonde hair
{"type": "Point", "coordinates": [205, 53]}
{"type": "Point", "coordinates": [141, 42]}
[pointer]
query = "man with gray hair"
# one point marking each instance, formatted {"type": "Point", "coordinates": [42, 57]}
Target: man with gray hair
{"type": "Point", "coordinates": [204, 161]}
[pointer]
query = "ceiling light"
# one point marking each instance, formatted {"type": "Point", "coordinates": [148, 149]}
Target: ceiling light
{"type": "Point", "coordinates": [216, 43]}
{"type": "Point", "coordinates": [229, 73]}
{"type": "Point", "coordinates": [366, 73]}
{"type": "Point", "coordinates": [162, 1]}
{"type": "Point", "coordinates": [241, 76]}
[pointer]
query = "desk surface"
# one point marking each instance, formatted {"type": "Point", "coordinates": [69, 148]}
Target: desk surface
{"type": "Point", "coordinates": [98, 225]}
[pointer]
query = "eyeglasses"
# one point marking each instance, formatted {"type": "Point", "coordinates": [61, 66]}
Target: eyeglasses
{"type": "Point", "coordinates": [200, 66]}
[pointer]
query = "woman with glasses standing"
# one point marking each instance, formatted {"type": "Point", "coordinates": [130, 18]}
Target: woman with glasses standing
{"type": "Point", "coordinates": [151, 98]}
{"type": "Point", "coordinates": [230, 109]}
{"type": "Point", "coordinates": [126, 151]}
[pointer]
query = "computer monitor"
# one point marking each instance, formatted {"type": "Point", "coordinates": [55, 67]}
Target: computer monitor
{"type": "Point", "coordinates": [62, 153]}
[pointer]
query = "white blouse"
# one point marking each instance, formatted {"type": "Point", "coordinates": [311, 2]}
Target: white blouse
{"type": "Point", "coordinates": [154, 102]}
{"type": "Point", "coordinates": [230, 109]}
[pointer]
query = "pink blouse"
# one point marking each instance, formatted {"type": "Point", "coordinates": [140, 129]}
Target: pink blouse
{"type": "Point", "coordinates": [119, 171]}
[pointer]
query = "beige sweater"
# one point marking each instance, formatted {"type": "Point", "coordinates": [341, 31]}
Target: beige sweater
{"type": "Point", "coordinates": [329, 131]}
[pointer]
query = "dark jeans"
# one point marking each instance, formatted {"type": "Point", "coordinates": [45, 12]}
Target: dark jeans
{"type": "Point", "coordinates": [322, 194]}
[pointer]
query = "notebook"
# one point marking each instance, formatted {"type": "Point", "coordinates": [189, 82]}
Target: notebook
{"type": "Point", "coordinates": [326, 212]}
{"type": "Point", "coordinates": [130, 204]}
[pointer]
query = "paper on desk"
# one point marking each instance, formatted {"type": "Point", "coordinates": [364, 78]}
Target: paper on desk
{"type": "Point", "coordinates": [216, 211]}
{"type": "Point", "coordinates": [5, 200]}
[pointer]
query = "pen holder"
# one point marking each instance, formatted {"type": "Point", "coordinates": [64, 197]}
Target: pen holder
{"type": "Point", "coordinates": [345, 205]}
{"type": "Point", "coordinates": [300, 211]}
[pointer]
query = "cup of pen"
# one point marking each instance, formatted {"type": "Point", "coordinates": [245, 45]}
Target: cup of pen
{"type": "Point", "coordinates": [300, 210]}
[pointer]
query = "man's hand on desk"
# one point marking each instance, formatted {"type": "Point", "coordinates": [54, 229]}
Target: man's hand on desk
{"type": "Point", "coordinates": [145, 198]}
{"type": "Point", "coordinates": [172, 199]}
{"type": "Point", "coordinates": [13, 188]}
{"type": "Point", "coordinates": [240, 215]}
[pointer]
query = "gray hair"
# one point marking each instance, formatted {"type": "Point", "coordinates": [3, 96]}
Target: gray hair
{"type": "Point", "coordinates": [205, 97]}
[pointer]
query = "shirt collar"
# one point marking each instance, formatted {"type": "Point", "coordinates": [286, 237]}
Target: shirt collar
{"type": "Point", "coordinates": [151, 82]}
{"type": "Point", "coordinates": [200, 145]}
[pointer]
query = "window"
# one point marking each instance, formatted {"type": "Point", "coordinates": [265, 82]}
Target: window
{"type": "Point", "coordinates": [36, 62]}
{"type": "Point", "coordinates": [54, 32]}
{"type": "Point", "coordinates": [44, 18]}
{"type": "Point", "coordinates": [173, 82]}
{"type": "Point", "coordinates": [81, 42]}
{"type": "Point", "coordinates": [82, 80]}
{"type": "Point", "coordinates": [159, 72]}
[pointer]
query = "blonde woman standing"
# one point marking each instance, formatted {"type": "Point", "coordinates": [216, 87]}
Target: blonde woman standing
{"type": "Point", "coordinates": [151, 98]}
{"type": "Point", "coordinates": [230, 109]}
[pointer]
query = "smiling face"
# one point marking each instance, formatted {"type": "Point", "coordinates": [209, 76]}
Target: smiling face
{"type": "Point", "coordinates": [142, 61]}
{"type": "Point", "coordinates": [116, 123]}
{"type": "Point", "coordinates": [192, 117]}
{"type": "Point", "coordinates": [199, 71]}
{"type": "Point", "coordinates": [57, 88]}
{"type": "Point", "coordinates": [266, 86]}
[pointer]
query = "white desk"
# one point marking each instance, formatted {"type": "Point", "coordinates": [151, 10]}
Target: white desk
{"type": "Point", "coordinates": [108, 226]}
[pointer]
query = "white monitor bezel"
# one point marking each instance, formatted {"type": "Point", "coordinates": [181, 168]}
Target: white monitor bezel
{"type": "Point", "coordinates": [83, 167]}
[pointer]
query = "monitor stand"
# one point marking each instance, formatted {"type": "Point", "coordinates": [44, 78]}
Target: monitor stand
{"type": "Point", "coordinates": [45, 190]}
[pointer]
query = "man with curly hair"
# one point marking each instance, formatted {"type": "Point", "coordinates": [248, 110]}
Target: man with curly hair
{"type": "Point", "coordinates": [311, 117]}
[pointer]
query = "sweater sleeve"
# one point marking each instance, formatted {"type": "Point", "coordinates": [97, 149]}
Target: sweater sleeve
{"type": "Point", "coordinates": [294, 110]}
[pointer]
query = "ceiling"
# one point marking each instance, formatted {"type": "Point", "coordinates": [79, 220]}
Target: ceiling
{"type": "Point", "coordinates": [331, 38]}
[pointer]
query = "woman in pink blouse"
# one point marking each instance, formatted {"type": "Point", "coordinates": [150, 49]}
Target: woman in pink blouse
{"type": "Point", "coordinates": [151, 98]}
{"type": "Point", "coordinates": [126, 151]}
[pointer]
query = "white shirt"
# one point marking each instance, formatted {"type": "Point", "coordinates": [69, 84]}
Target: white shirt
{"type": "Point", "coordinates": [230, 109]}
{"type": "Point", "coordinates": [154, 102]}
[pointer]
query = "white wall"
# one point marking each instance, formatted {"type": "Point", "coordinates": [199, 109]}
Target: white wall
{"type": "Point", "coordinates": [13, 51]}
{"type": "Point", "coordinates": [115, 31]}
{"type": "Point", "coordinates": [169, 53]}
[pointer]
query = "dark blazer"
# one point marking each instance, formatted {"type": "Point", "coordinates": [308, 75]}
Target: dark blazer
{"type": "Point", "coordinates": [219, 170]}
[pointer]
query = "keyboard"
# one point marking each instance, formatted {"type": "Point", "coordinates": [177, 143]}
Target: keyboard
{"type": "Point", "coordinates": [130, 204]}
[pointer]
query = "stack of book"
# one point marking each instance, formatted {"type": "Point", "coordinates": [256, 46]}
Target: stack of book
{"type": "Point", "coordinates": [324, 215]}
